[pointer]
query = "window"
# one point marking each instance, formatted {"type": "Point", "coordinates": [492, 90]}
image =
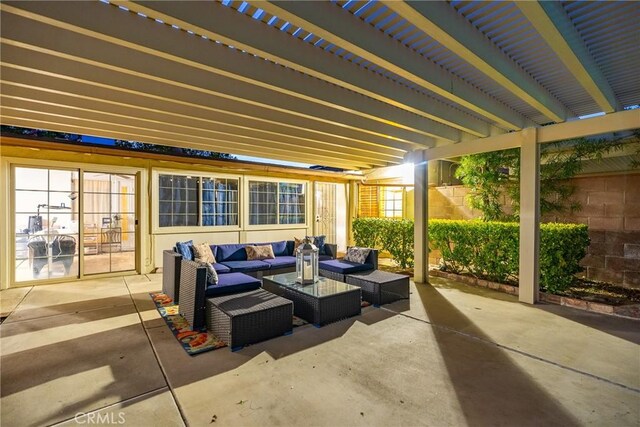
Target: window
{"type": "Point", "coordinates": [276, 203]}
{"type": "Point", "coordinates": [197, 201]}
{"type": "Point", "coordinates": [291, 203]}
{"type": "Point", "coordinates": [392, 202]}
{"type": "Point", "coordinates": [219, 201]}
{"type": "Point", "coordinates": [368, 201]}
{"type": "Point", "coordinates": [263, 203]}
{"type": "Point", "coordinates": [379, 201]}
{"type": "Point", "coordinates": [178, 198]}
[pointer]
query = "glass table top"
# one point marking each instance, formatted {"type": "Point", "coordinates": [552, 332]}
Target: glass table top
{"type": "Point", "coordinates": [322, 288]}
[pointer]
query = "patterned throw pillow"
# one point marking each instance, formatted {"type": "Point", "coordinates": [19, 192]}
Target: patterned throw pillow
{"type": "Point", "coordinates": [296, 242]}
{"type": "Point", "coordinates": [203, 252]}
{"type": "Point", "coordinates": [212, 274]}
{"type": "Point", "coordinates": [259, 252]}
{"type": "Point", "coordinates": [318, 242]}
{"type": "Point", "coordinates": [357, 255]}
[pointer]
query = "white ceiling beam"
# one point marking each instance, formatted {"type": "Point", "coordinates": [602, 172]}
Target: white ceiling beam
{"type": "Point", "coordinates": [122, 98]}
{"type": "Point", "coordinates": [340, 27]}
{"type": "Point", "coordinates": [555, 27]}
{"type": "Point", "coordinates": [443, 24]}
{"type": "Point", "coordinates": [615, 122]}
{"type": "Point", "coordinates": [107, 129]}
{"type": "Point", "coordinates": [18, 92]}
{"type": "Point", "coordinates": [146, 36]}
{"type": "Point", "coordinates": [173, 131]}
{"type": "Point", "coordinates": [20, 31]}
{"type": "Point", "coordinates": [37, 62]}
{"type": "Point", "coordinates": [224, 24]}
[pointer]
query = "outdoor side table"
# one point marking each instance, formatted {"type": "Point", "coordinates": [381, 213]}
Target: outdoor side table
{"type": "Point", "coordinates": [380, 287]}
{"type": "Point", "coordinates": [249, 317]}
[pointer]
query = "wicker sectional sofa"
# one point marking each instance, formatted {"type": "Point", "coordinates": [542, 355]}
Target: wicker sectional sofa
{"type": "Point", "coordinates": [185, 282]}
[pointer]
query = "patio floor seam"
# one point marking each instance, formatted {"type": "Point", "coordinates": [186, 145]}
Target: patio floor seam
{"type": "Point", "coordinates": [522, 353]}
{"type": "Point", "coordinates": [66, 314]}
{"type": "Point", "coordinates": [111, 405]}
{"type": "Point", "coordinates": [155, 354]}
{"type": "Point", "coordinates": [17, 305]}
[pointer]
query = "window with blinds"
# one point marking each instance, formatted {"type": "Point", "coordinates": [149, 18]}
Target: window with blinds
{"type": "Point", "coordinates": [369, 201]}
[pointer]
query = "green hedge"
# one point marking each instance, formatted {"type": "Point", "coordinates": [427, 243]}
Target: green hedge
{"type": "Point", "coordinates": [487, 250]}
{"type": "Point", "coordinates": [490, 250]}
{"type": "Point", "coordinates": [392, 235]}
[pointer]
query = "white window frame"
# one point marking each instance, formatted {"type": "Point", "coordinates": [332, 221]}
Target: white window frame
{"type": "Point", "coordinates": [278, 226]}
{"type": "Point", "coordinates": [155, 205]}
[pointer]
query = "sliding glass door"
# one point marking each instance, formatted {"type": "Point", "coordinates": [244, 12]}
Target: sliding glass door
{"type": "Point", "coordinates": [69, 223]}
{"type": "Point", "coordinates": [109, 213]}
{"type": "Point", "coordinates": [46, 224]}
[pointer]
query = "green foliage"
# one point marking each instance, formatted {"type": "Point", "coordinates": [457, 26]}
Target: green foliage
{"type": "Point", "coordinates": [487, 175]}
{"type": "Point", "coordinates": [392, 235]}
{"type": "Point", "coordinates": [562, 246]}
{"type": "Point", "coordinates": [397, 239]}
{"type": "Point", "coordinates": [367, 231]}
{"type": "Point", "coordinates": [176, 151]}
{"type": "Point", "coordinates": [489, 250]}
{"type": "Point", "coordinates": [491, 176]}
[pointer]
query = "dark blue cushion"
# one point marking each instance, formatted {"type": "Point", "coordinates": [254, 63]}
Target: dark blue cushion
{"type": "Point", "coordinates": [290, 245]}
{"type": "Point", "coordinates": [279, 248]}
{"type": "Point", "coordinates": [282, 262]}
{"type": "Point", "coordinates": [231, 283]}
{"type": "Point", "coordinates": [244, 266]}
{"type": "Point", "coordinates": [221, 268]}
{"type": "Point", "coordinates": [344, 267]}
{"type": "Point", "coordinates": [184, 249]}
{"type": "Point", "coordinates": [324, 257]}
{"type": "Point", "coordinates": [231, 252]}
{"type": "Point", "coordinates": [318, 242]}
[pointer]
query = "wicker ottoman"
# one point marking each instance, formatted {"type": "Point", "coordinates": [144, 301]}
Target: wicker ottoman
{"type": "Point", "coordinates": [249, 317]}
{"type": "Point", "coordinates": [379, 287]}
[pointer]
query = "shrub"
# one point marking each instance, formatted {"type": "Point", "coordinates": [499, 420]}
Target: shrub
{"type": "Point", "coordinates": [398, 241]}
{"type": "Point", "coordinates": [367, 231]}
{"type": "Point", "coordinates": [490, 250]}
{"type": "Point", "coordinates": [392, 235]}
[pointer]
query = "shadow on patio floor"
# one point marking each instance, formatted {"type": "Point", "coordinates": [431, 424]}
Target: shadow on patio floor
{"type": "Point", "coordinates": [489, 385]}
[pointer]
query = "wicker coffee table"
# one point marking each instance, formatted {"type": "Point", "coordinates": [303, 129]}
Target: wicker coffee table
{"type": "Point", "coordinates": [320, 303]}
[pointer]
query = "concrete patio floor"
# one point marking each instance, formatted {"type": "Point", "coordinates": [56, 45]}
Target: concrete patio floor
{"type": "Point", "coordinates": [451, 355]}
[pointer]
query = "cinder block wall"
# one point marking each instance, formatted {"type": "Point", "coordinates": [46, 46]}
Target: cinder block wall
{"type": "Point", "coordinates": [610, 207]}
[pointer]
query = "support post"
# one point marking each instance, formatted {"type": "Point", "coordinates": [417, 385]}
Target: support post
{"type": "Point", "coordinates": [529, 271]}
{"type": "Point", "coordinates": [352, 210]}
{"type": "Point", "coordinates": [421, 238]}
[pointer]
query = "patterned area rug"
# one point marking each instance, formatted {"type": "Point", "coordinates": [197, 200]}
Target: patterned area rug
{"type": "Point", "coordinates": [196, 342]}
{"type": "Point", "coordinates": [193, 342]}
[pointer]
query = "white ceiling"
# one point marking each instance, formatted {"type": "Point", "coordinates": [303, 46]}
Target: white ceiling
{"type": "Point", "coordinates": [354, 84]}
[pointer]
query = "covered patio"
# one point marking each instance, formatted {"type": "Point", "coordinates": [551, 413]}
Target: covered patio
{"type": "Point", "coordinates": [450, 355]}
{"type": "Point", "coordinates": [345, 86]}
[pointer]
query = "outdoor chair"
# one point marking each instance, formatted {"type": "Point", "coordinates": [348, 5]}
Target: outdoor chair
{"type": "Point", "coordinates": [63, 249]}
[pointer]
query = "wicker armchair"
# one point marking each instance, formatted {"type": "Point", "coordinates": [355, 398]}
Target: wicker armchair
{"type": "Point", "coordinates": [193, 285]}
{"type": "Point", "coordinates": [171, 261]}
